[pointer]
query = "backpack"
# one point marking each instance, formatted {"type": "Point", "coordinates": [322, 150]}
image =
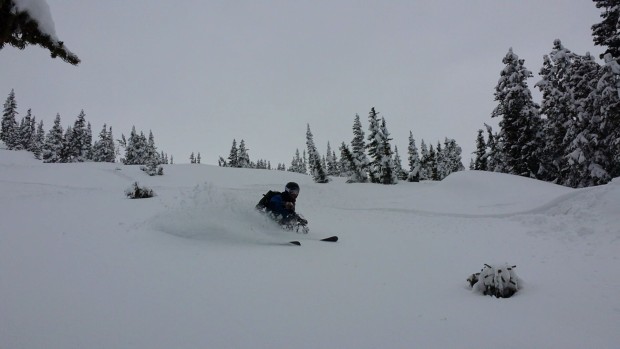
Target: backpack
{"type": "Point", "coordinates": [264, 202]}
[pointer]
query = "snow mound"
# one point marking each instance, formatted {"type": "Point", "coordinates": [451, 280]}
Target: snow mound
{"type": "Point", "coordinates": [489, 193]}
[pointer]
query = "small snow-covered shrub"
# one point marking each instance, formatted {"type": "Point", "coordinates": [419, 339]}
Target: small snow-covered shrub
{"type": "Point", "coordinates": [500, 281]}
{"type": "Point", "coordinates": [137, 192]}
{"type": "Point", "coordinates": [153, 170]}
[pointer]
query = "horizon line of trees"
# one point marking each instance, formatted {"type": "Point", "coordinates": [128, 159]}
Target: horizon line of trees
{"type": "Point", "coordinates": [573, 137]}
{"type": "Point", "coordinates": [75, 143]}
{"type": "Point", "coordinates": [372, 162]}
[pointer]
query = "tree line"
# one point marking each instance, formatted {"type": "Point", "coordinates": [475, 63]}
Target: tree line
{"type": "Point", "coordinates": [366, 159]}
{"type": "Point", "coordinates": [75, 143]}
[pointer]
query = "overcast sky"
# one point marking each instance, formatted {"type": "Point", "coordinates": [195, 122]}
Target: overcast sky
{"type": "Point", "coordinates": [201, 73]}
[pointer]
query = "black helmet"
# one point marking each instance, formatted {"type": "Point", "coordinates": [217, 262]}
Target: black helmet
{"type": "Point", "coordinates": [292, 187]}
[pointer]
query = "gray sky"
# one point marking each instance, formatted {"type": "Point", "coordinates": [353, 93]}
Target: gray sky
{"type": "Point", "coordinates": [201, 73]}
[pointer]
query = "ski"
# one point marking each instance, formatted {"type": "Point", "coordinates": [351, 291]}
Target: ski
{"type": "Point", "coordinates": [330, 239]}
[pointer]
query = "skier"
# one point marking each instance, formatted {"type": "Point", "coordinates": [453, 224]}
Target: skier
{"type": "Point", "coordinates": [281, 207]}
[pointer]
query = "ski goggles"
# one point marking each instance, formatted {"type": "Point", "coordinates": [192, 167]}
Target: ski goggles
{"type": "Point", "coordinates": [292, 191]}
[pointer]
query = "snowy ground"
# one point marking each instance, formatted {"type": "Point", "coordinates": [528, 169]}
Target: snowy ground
{"type": "Point", "coordinates": [81, 266]}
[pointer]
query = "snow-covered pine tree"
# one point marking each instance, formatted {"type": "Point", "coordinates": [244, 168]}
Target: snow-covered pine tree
{"type": "Point", "coordinates": [8, 127]}
{"type": "Point", "coordinates": [398, 166]}
{"type": "Point", "coordinates": [347, 164]}
{"type": "Point", "coordinates": [67, 151]}
{"type": "Point", "coordinates": [24, 133]}
{"type": "Point", "coordinates": [32, 133]}
{"type": "Point", "coordinates": [586, 155]}
{"type": "Point", "coordinates": [425, 174]}
{"type": "Point", "coordinates": [332, 162]}
{"type": "Point", "coordinates": [243, 158]}
{"type": "Point", "coordinates": [387, 169]}
{"type": "Point", "coordinates": [607, 32]}
{"type": "Point", "coordinates": [442, 170]}
{"type": "Point", "coordinates": [414, 160]}
{"type": "Point", "coordinates": [89, 141]}
{"type": "Point", "coordinates": [520, 120]}
{"type": "Point", "coordinates": [359, 173]}
{"type": "Point", "coordinates": [480, 162]}
{"type": "Point", "coordinates": [608, 104]}
{"type": "Point", "coordinates": [452, 157]}
{"type": "Point", "coordinates": [338, 170]}
{"type": "Point", "coordinates": [314, 159]}
{"type": "Point", "coordinates": [39, 140]}
{"type": "Point", "coordinates": [558, 108]}
{"type": "Point", "coordinates": [495, 157]}
{"type": "Point", "coordinates": [374, 146]}
{"type": "Point", "coordinates": [304, 163]}
{"type": "Point", "coordinates": [136, 150]}
{"type": "Point", "coordinates": [233, 160]}
{"type": "Point", "coordinates": [296, 163]}
{"type": "Point", "coordinates": [104, 149]}
{"type": "Point", "coordinates": [78, 140]}
{"type": "Point", "coordinates": [431, 164]}
{"type": "Point", "coordinates": [54, 142]}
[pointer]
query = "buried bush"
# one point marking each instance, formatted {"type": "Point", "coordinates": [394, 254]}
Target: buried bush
{"type": "Point", "coordinates": [137, 192]}
{"type": "Point", "coordinates": [500, 281]}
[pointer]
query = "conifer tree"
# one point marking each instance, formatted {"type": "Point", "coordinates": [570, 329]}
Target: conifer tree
{"type": "Point", "coordinates": [557, 106]}
{"type": "Point", "coordinates": [78, 140]}
{"type": "Point", "coordinates": [9, 123]}
{"type": "Point", "coordinates": [398, 166]}
{"type": "Point", "coordinates": [452, 157]}
{"type": "Point", "coordinates": [442, 166]}
{"type": "Point", "coordinates": [385, 164]}
{"type": "Point", "coordinates": [495, 158]}
{"type": "Point", "coordinates": [607, 32]}
{"type": "Point", "coordinates": [374, 146]}
{"type": "Point", "coordinates": [331, 162]}
{"type": "Point", "coordinates": [314, 159]}
{"type": "Point", "coordinates": [347, 163]}
{"type": "Point", "coordinates": [425, 174]}
{"type": "Point", "coordinates": [243, 157]}
{"type": "Point", "coordinates": [136, 149]}
{"type": "Point", "coordinates": [607, 106]}
{"type": "Point", "coordinates": [39, 140]}
{"type": "Point", "coordinates": [480, 162]}
{"type": "Point", "coordinates": [103, 149]}
{"type": "Point", "coordinates": [358, 150]}
{"type": "Point", "coordinates": [304, 163]}
{"type": "Point", "coordinates": [431, 164]}
{"type": "Point", "coordinates": [24, 133]}
{"type": "Point", "coordinates": [54, 143]}
{"type": "Point", "coordinates": [233, 157]}
{"type": "Point", "coordinates": [414, 160]}
{"type": "Point", "coordinates": [519, 118]}
{"type": "Point", "coordinates": [297, 164]}
{"type": "Point", "coordinates": [587, 160]}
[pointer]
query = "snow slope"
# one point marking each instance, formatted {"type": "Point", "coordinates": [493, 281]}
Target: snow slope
{"type": "Point", "coordinates": [81, 266]}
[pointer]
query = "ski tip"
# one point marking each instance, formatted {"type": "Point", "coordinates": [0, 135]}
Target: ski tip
{"type": "Point", "coordinates": [331, 239]}
{"type": "Point", "coordinates": [296, 243]}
